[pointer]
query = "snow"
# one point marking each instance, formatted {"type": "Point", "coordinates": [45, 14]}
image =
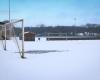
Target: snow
{"type": "Point", "coordinates": [51, 60]}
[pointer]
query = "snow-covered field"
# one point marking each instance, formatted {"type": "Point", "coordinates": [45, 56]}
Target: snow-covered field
{"type": "Point", "coordinates": [51, 60]}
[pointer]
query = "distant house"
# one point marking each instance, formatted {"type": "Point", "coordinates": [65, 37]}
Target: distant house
{"type": "Point", "coordinates": [28, 36]}
{"type": "Point", "coordinates": [2, 30]}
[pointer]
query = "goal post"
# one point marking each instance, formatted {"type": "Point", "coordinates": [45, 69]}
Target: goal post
{"type": "Point", "coordinates": [12, 26]}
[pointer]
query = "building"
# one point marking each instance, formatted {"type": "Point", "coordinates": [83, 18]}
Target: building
{"type": "Point", "coordinates": [2, 30]}
{"type": "Point", "coordinates": [28, 36]}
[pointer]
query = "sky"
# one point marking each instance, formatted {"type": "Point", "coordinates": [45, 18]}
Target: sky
{"type": "Point", "coordinates": [52, 12]}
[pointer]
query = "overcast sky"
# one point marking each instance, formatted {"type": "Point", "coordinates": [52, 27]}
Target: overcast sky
{"type": "Point", "coordinates": [52, 12]}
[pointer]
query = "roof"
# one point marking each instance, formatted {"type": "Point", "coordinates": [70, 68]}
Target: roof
{"type": "Point", "coordinates": [3, 22]}
{"type": "Point", "coordinates": [29, 32]}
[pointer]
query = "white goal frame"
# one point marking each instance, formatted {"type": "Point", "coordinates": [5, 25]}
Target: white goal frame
{"type": "Point", "coordinates": [22, 25]}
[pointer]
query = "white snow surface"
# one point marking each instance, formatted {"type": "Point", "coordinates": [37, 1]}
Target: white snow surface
{"type": "Point", "coordinates": [51, 60]}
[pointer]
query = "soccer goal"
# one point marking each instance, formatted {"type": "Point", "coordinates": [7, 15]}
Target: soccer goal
{"type": "Point", "coordinates": [7, 32]}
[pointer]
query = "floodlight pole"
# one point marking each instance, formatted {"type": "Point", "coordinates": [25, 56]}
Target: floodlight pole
{"type": "Point", "coordinates": [5, 48]}
{"type": "Point", "coordinates": [10, 18]}
{"type": "Point", "coordinates": [9, 11]}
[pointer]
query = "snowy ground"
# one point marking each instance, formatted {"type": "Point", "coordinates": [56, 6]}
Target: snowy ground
{"type": "Point", "coordinates": [51, 60]}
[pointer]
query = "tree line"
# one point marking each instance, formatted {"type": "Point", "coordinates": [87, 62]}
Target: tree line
{"type": "Point", "coordinates": [70, 30]}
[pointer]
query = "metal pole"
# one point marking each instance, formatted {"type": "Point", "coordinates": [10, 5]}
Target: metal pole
{"type": "Point", "coordinates": [9, 11]}
{"type": "Point", "coordinates": [10, 30]}
{"type": "Point", "coordinates": [22, 56]}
